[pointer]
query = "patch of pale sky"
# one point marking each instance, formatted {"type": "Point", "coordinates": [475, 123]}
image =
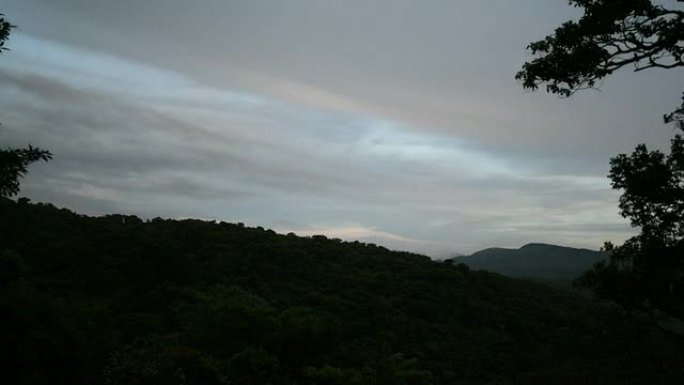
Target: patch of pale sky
{"type": "Point", "coordinates": [300, 152]}
{"type": "Point", "coordinates": [92, 71]}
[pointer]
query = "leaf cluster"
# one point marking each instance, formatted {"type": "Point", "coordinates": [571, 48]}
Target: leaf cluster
{"type": "Point", "coordinates": [611, 34]}
{"type": "Point", "coordinates": [5, 29]}
{"type": "Point", "coordinates": [14, 164]}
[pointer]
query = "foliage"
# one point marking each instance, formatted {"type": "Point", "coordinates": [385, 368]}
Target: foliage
{"type": "Point", "coordinates": [647, 271]}
{"type": "Point", "coordinates": [14, 162]}
{"type": "Point", "coordinates": [5, 29]}
{"type": "Point", "coordinates": [120, 300]}
{"type": "Point", "coordinates": [610, 35]}
{"type": "Point", "coordinates": [653, 185]}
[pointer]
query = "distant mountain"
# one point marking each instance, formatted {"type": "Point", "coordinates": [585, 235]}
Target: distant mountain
{"type": "Point", "coordinates": [447, 256]}
{"type": "Point", "coordinates": [534, 260]}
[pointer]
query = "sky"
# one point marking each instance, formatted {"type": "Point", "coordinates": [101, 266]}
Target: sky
{"type": "Point", "coordinates": [396, 122]}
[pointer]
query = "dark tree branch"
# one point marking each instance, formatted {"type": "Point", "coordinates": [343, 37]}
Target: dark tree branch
{"type": "Point", "coordinates": [610, 35]}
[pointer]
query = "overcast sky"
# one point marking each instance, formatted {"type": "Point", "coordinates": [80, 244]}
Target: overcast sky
{"type": "Point", "coordinates": [397, 122]}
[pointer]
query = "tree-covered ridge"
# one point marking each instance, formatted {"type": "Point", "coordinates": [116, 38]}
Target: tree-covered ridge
{"type": "Point", "coordinates": [534, 260]}
{"type": "Point", "coordinates": [120, 300]}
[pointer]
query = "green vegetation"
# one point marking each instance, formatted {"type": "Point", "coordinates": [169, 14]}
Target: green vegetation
{"type": "Point", "coordinates": [14, 162]}
{"type": "Point", "coordinates": [610, 35]}
{"type": "Point", "coordinates": [5, 30]}
{"type": "Point", "coordinates": [120, 300]}
{"type": "Point", "coordinates": [535, 260]}
{"type": "Point", "coordinates": [646, 273]}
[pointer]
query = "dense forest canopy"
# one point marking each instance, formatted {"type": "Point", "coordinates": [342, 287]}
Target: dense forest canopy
{"type": "Point", "coordinates": [120, 300]}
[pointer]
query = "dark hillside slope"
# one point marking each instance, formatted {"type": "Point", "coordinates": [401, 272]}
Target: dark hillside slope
{"type": "Point", "coordinates": [535, 260]}
{"type": "Point", "coordinates": [119, 300]}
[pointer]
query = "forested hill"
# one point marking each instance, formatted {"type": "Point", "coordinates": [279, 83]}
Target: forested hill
{"type": "Point", "coordinates": [534, 260]}
{"type": "Point", "coordinates": [119, 300]}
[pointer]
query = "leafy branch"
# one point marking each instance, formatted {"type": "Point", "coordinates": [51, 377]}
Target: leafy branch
{"type": "Point", "coordinates": [610, 35]}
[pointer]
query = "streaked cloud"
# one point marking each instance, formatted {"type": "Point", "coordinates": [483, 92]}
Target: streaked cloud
{"type": "Point", "coordinates": [396, 123]}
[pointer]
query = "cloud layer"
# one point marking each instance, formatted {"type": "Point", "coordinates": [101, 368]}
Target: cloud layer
{"type": "Point", "coordinates": [391, 123]}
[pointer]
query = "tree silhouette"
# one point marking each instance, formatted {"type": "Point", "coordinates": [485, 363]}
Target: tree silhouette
{"type": "Point", "coordinates": [5, 29]}
{"type": "Point", "coordinates": [647, 271]}
{"type": "Point", "coordinates": [14, 162]}
{"type": "Point", "coordinates": [610, 35]}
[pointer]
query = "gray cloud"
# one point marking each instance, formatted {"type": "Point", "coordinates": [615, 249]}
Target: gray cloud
{"type": "Point", "coordinates": [441, 66]}
{"type": "Point", "coordinates": [398, 120]}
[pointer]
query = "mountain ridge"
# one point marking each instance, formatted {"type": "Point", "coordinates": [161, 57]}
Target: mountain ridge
{"type": "Point", "coordinates": [120, 300]}
{"type": "Point", "coordinates": [534, 260]}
